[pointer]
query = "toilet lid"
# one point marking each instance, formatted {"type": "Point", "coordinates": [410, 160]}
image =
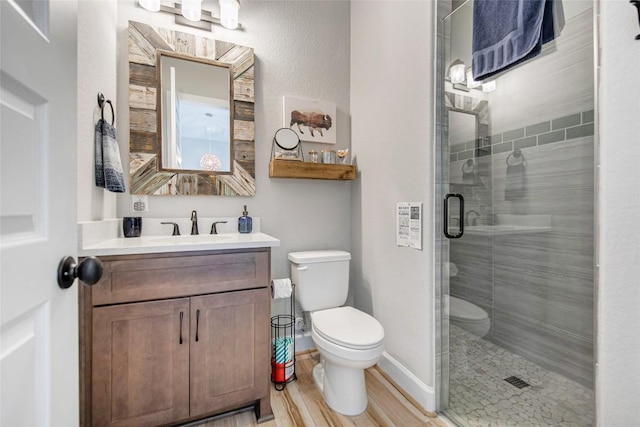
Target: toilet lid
{"type": "Point", "coordinates": [461, 309]}
{"type": "Point", "coordinates": [348, 327]}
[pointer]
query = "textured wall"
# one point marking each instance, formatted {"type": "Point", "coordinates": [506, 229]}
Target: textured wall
{"type": "Point", "coordinates": [302, 50]}
{"type": "Point", "coordinates": [618, 369]}
{"type": "Point", "coordinates": [96, 73]}
{"type": "Point", "coordinates": [392, 109]}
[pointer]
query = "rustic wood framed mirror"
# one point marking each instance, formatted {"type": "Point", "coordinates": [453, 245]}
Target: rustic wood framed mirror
{"type": "Point", "coordinates": [197, 141]}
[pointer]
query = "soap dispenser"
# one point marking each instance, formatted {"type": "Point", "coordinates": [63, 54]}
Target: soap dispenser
{"type": "Point", "coordinates": [245, 222]}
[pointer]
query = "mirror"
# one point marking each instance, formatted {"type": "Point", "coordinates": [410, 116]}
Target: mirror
{"type": "Point", "coordinates": [191, 114]}
{"type": "Point", "coordinates": [467, 121]}
{"type": "Point", "coordinates": [462, 128]}
{"type": "Point", "coordinates": [289, 143]}
{"type": "Point", "coordinates": [286, 139]}
{"type": "Point", "coordinates": [195, 114]}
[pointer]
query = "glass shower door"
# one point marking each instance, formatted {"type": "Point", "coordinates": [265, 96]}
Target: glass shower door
{"type": "Point", "coordinates": [516, 162]}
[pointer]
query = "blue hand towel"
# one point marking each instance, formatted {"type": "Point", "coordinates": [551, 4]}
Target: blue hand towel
{"type": "Point", "coordinates": [108, 168]}
{"type": "Point", "coordinates": [508, 32]}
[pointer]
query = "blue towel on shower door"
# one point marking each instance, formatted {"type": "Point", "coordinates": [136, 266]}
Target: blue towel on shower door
{"type": "Point", "coordinates": [508, 32]}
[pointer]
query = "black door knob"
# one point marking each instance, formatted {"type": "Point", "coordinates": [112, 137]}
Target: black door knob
{"type": "Point", "coordinates": [89, 271]}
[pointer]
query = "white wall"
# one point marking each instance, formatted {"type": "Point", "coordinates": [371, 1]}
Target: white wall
{"type": "Point", "coordinates": [392, 108]}
{"type": "Point", "coordinates": [301, 49]}
{"type": "Point", "coordinates": [618, 354]}
{"type": "Point", "coordinates": [96, 73]}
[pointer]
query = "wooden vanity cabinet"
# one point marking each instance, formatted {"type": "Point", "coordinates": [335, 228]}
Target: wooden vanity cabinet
{"type": "Point", "coordinates": [140, 373]}
{"type": "Point", "coordinates": [160, 353]}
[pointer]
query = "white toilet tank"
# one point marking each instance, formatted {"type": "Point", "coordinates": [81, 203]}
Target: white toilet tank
{"type": "Point", "coordinates": [321, 278]}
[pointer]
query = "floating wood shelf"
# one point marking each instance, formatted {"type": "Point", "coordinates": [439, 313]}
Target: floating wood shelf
{"type": "Point", "coordinates": [294, 169]}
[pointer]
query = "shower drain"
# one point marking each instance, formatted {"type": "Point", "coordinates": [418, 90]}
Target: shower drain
{"type": "Point", "coordinates": [517, 382]}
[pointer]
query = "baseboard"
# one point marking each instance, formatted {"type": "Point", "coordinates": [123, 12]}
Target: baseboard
{"type": "Point", "coordinates": [423, 394]}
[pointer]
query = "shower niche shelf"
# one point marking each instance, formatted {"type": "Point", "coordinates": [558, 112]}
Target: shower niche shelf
{"type": "Point", "coordinates": [307, 170]}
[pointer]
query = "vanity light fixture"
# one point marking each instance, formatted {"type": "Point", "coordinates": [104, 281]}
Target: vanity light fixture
{"type": "Point", "coordinates": [457, 72]}
{"type": "Point", "coordinates": [191, 9]}
{"type": "Point", "coordinates": [489, 86]}
{"type": "Point", "coordinates": [190, 13]}
{"type": "Point", "coordinates": [472, 84]}
{"type": "Point", "coordinates": [229, 13]}
{"type": "Point", "coordinates": [150, 5]}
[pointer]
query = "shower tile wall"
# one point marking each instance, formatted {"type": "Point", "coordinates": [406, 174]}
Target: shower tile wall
{"type": "Point", "coordinates": [538, 288]}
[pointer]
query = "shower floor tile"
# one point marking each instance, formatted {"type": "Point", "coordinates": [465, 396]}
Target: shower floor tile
{"type": "Point", "coordinates": [480, 396]}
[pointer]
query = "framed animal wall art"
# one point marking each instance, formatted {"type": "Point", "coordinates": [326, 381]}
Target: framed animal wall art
{"type": "Point", "coordinates": [313, 121]}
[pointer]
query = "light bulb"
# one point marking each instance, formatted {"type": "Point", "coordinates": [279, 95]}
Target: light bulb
{"type": "Point", "coordinates": [456, 72]}
{"type": "Point", "coordinates": [229, 13]}
{"type": "Point", "coordinates": [150, 5]}
{"type": "Point", "coordinates": [472, 84]}
{"type": "Point", "coordinates": [489, 86]}
{"type": "Point", "coordinates": [191, 9]}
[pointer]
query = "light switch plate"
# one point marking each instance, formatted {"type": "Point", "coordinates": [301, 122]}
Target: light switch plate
{"type": "Point", "coordinates": [140, 203]}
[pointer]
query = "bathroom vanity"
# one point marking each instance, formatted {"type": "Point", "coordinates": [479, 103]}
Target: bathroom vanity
{"type": "Point", "coordinates": [172, 337]}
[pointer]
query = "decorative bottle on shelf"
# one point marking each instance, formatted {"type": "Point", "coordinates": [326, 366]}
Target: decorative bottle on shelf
{"type": "Point", "coordinates": [245, 222]}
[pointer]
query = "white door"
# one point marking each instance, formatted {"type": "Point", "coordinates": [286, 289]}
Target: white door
{"type": "Point", "coordinates": [39, 321]}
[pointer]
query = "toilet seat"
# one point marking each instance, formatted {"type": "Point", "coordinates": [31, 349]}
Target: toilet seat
{"type": "Point", "coordinates": [469, 317]}
{"type": "Point", "coordinates": [464, 311]}
{"type": "Point", "coordinates": [348, 327]}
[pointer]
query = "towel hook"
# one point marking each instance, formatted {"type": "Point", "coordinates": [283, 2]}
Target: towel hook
{"type": "Point", "coordinates": [101, 103]}
{"type": "Point", "coordinates": [517, 154]}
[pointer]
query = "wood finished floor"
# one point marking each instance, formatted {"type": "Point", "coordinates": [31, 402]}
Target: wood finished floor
{"type": "Point", "coordinates": [301, 404]}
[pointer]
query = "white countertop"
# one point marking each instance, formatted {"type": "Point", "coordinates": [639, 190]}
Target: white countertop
{"type": "Point", "coordinates": [103, 239]}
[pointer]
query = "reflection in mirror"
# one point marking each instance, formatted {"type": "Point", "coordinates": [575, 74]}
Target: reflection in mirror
{"type": "Point", "coordinates": [196, 137]}
{"type": "Point", "coordinates": [469, 144]}
{"type": "Point", "coordinates": [195, 106]}
{"type": "Point", "coordinates": [462, 127]}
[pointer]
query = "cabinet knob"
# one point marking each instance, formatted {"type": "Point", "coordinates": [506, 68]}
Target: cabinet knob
{"type": "Point", "coordinates": [89, 271]}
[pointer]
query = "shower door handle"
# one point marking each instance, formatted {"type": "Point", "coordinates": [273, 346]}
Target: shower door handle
{"type": "Point", "coordinates": [446, 216]}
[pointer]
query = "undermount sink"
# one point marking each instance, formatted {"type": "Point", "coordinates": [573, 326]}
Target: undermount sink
{"type": "Point", "coordinates": [198, 238]}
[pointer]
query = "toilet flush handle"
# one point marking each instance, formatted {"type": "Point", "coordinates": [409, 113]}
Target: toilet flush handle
{"type": "Point", "coordinates": [302, 268]}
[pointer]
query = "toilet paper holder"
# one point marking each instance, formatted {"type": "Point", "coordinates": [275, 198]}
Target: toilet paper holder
{"type": "Point", "coordinates": [283, 343]}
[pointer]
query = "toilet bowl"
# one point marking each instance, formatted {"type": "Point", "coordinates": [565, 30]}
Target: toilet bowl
{"type": "Point", "coordinates": [348, 340]}
{"type": "Point", "coordinates": [469, 317]}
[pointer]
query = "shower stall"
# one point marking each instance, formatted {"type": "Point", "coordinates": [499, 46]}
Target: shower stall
{"type": "Point", "coordinates": [516, 229]}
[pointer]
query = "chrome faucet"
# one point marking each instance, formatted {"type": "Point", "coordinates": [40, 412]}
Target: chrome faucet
{"type": "Point", "coordinates": [474, 221]}
{"type": "Point", "coordinates": [194, 223]}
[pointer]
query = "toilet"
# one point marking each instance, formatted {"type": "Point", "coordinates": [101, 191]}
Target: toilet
{"type": "Point", "coordinates": [464, 314]}
{"type": "Point", "coordinates": [469, 317]}
{"type": "Point", "coordinates": [348, 340]}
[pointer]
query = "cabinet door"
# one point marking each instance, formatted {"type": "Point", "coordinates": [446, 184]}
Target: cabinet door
{"type": "Point", "coordinates": [229, 350]}
{"type": "Point", "coordinates": [140, 373]}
